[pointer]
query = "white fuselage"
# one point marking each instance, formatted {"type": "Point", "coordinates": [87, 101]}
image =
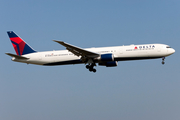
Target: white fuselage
{"type": "Point", "coordinates": [121, 53]}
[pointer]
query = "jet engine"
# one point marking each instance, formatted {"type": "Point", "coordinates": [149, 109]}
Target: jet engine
{"type": "Point", "coordinates": [107, 57]}
{"type": "Point", "coordinates": [109, 64]}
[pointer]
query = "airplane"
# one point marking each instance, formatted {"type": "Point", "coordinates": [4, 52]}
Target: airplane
{"type": "Point", "coordinates": [103, 56]}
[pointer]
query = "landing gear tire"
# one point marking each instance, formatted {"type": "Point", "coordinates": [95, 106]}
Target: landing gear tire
{"type": "Point", "coordinates": [90, 67]}
{"type": "Point", "coordinates": [87, 66]}
{"type": "Point", "coordinates": [94, 70]}
{"type": "Point", "coordinates": [163, 60]}
{"type": "Point", "coordinates": [90, 70]}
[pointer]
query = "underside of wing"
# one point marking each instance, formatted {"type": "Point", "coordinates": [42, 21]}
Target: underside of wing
{"type": "Point", "coordinates": [78, 51]}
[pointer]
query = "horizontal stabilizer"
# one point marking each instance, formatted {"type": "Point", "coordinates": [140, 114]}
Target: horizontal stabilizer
{"type": "Point", "coordinates": [16, 56]}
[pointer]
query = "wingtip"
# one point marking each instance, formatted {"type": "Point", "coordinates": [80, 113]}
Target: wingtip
{"type": "Point", "coordinates": [58, 41]}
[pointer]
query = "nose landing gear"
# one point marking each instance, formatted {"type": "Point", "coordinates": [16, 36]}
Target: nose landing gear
{"type": "Point", "coordinates": [163, 60]}
{"type": "Point", "coordinates": [91, 67]}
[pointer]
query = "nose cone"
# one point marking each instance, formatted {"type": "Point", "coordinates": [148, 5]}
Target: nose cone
{"type": "Point", "coordinates": [171, 51]}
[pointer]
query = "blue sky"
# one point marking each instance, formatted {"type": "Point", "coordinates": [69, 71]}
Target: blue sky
{"type": "Point", "coordinates": [135, 90]}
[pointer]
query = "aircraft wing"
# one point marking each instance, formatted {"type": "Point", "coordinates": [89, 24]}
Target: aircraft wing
{"type": "Point", "coordinates": [78, 51]}
{"type": "Point", "coordinates": [16, 56]}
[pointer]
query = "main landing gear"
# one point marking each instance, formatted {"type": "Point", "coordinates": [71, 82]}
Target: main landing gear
{"type": "Point", "coordinates": [91, 67]}
{"type": "Point", "coordinates": [163, 58]}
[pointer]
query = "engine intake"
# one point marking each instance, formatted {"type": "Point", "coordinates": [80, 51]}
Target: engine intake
{"type": "Point", "coordinates": [107, 57]}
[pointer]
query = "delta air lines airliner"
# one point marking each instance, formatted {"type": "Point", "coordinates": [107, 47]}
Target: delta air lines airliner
{"type": "Point", "coordinates": [103, 56]}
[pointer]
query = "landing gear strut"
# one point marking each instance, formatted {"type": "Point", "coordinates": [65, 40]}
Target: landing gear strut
{"type": "Point", "coordinates": [91, 67]}
{"type": "Point", "coordinates": [163, 60]}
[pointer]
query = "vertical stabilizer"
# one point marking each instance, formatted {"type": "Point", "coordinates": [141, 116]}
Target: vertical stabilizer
{"type": "Point", "coordinates": [20, 46]}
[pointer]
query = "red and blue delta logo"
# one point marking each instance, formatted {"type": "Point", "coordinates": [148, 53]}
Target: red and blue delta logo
{"type": "Point", "coordinates": [144, 47]}
{"type": "Point", "coordinates": [135, 48]}
{"type": "Point", "coordinates": [19, 45]}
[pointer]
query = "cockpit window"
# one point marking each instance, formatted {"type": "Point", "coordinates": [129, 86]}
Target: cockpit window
{"type": "Point", "coordinates": [168, 47]}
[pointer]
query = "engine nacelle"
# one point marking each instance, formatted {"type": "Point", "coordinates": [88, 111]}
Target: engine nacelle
{"type": "Point", "coordinates": [109, 64]}
{"type": "Point", "coordinates": [107, 57]}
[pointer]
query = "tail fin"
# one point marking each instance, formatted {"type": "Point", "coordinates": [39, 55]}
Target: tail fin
{"type": "Point", "coordinates": [19, 45]}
